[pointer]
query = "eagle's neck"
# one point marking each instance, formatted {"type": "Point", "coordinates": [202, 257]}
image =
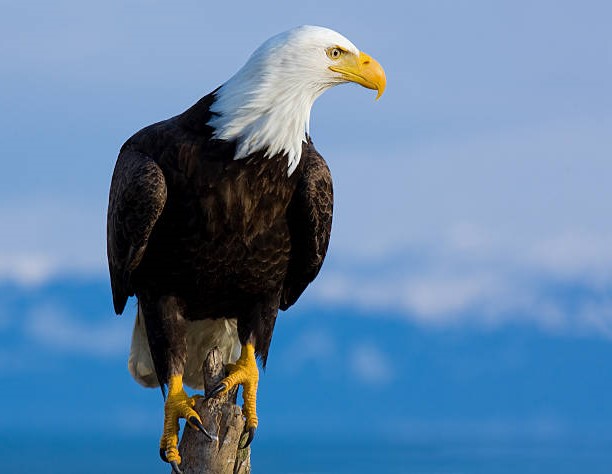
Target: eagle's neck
{"type": "Point", "coordinates": [264, 109]}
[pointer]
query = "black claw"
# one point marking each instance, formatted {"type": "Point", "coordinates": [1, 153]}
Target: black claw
{"type": "Point", "coordinates": [162, 454]}
{"type": "Point", "coordinates": [249, 438]}
{"type": "Point", "coordinates": [195, 422]}
{"type": "Point", "coordinates": [215, 391]}
{"type": "Point", "coordinates": [175, 467]}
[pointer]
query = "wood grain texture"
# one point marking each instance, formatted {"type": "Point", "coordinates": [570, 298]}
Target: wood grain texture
{"type": "Point", "coordinates": [222, 418]}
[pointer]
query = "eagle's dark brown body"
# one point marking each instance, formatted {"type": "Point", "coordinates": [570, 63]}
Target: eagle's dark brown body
{"type": "Point", "coordinates": [195, 234]}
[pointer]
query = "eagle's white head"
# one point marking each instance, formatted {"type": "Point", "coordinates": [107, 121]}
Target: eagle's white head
{"type": "Point", "coordinates": [266, 104]}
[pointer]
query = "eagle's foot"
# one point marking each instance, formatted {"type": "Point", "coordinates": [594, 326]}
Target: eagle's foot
{"type": "Point", "coordinates": [244, 372]}
{"type": "Point", "coordinates": [178, 405]}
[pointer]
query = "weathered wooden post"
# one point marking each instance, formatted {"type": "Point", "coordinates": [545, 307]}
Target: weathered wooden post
{"type": "Point", "coordinates": [222, 418]}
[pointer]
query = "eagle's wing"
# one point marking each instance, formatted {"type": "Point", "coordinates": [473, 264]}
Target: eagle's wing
{"type": "Point", "coordinates": [137, 197]}
{"type": "Point", "coordinates": [310, 218]}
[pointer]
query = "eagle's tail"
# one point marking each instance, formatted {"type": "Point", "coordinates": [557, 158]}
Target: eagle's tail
{"type": "Point", "coordinates": [202, 336]}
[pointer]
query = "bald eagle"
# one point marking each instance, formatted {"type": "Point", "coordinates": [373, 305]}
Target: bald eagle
{"type": "Point", "coordinates": [220, 216]}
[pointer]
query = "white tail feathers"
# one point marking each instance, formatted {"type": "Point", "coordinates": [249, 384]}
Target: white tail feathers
{"type": "Point", "coordinates": [202, 336]}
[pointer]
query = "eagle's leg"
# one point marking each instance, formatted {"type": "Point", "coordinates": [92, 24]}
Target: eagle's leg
{"type": "Point", "coordinates": [244, 372]}
{"type": "Point", "coordinates": [178, 405]}
{"type": "Point", "coordinates": [165, 327]}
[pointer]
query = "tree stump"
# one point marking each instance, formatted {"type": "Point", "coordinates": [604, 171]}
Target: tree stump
{"type": "Point", "coordinates": [222, 418]}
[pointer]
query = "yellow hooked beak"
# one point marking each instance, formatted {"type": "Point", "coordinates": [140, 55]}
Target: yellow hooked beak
{"type": "Point", "coordinates": [363, 70]}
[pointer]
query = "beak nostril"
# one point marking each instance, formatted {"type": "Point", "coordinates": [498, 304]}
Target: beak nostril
{"type": "Point", "coordinates": [366, 62]}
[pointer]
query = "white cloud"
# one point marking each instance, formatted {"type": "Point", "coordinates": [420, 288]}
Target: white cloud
{"type": "Point", "coordinates": [317, 347]}
{"type": "Point", "coordinates": [576, 254]}
{"type": "Point", "coordinates": [27, 269]}
{"type": "Point", "coordinates": [456, 295]}
{"type": "Point", "coordinates": [515, 187]}
{"type": "Point", "coordinates": [598, 315]}
{"type": "Point", "coordinates": [45, 238]}
{"type": "Point", "coordinates": [429, 299]}
{"type": "Point", "coordinates": [370, 365]}
{"type": "Point", "coordinates": [312, 346]}
{"type": "Point", "coordinates": [439, 296]}
{"type": "Point", "coordinates": [487, 229]}
{"type": "Point", "coordinates": [55, 328]}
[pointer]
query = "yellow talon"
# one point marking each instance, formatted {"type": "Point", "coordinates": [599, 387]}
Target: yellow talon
{"type": "Point", "coordinates": [178, 405]}
{"type": "Point", "coordinates": [245, 372]}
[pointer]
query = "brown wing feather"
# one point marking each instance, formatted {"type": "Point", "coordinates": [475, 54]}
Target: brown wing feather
{"type": "Point", "coordinates": [137, 198]}
{"type": "Point", "coordinates": [310, 218]}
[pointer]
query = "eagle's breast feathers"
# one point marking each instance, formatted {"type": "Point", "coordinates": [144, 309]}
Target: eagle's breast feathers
{"type": "Point", "coordinates": [218, 229]}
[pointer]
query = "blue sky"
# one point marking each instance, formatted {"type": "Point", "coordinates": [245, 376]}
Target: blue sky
{"type": "Point", "coordinates": [471, 241]}
{"type": "Point", "coordinates": [480, 180]}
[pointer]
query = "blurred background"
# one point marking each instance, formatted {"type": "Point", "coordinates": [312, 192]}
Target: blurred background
{"type": "Point", "coordinates": [463, 319]}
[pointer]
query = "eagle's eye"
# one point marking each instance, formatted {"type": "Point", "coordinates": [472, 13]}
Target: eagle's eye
{"type": "Point", "coordinates": [334, 53]}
